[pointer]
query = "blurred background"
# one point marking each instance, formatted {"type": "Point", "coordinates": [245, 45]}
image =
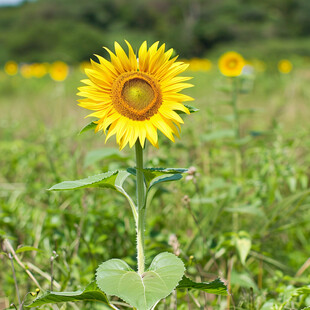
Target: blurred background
{"type": "Point", "coordinates": [242, 214]}
{"type": "Point", "coordinates": [49, 30]}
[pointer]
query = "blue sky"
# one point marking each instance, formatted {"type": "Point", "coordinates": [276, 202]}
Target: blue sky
{"type": "Point", "coordinates": [10, 2]}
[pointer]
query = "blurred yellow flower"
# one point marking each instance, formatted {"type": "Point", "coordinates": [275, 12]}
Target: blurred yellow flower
{"type": "Point", "coordinates": [231, 64]}
{"type": "Point", "coordinates": [26, 71]}
{"type": "Point", "coordinates": [197, 64]}
{"type": "Point", "coordinates": [285, 66]}
{"type": "Point", "coordinates": [39, 69]}
{"type": "Point", "coordinates": [11, 68]}
{"type": "Point", "coordinates": [59, 71]}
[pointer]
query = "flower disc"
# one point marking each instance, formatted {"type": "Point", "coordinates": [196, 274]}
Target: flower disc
{"type": "Point", "coordinates": [133, 98]}
{"type": "Point", "coordinates": [136, 95]}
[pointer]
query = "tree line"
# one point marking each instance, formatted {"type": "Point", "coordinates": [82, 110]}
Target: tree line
{"type": "Point", "coordinates": [71, 30]}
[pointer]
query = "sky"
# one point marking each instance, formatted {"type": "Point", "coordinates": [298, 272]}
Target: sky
{"type": "Point", "coordinates": [10, 2]}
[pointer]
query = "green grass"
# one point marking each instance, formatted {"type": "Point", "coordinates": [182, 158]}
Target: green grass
{"type": "Point", "coordinates": [252, 193]}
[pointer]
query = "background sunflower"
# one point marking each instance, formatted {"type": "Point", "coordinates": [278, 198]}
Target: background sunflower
{"type": "Point", "coordinates": [231, 64]}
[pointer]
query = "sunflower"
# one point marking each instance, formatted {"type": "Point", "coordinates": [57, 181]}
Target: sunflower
{"type": "Point", "coordinates": [231, 64]}
{"type": "Point", "coordinates": [285, 66]}
{"type": "Point", "coordinates": [133, 98]}
{"type": "Point", "coordinates": [59, 71]}
{"type": "Point", "coordinates": [11, 68]}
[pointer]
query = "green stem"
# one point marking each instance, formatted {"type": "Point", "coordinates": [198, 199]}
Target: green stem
{"type": "Point", "coordinates": [235, 107]}
{"type": "Point", "coordinates": [238, 153]}
{"type": "Point", "coordinates": [141, 207]}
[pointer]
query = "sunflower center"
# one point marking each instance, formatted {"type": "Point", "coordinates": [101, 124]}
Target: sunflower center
{"type": "Point", "coordinates": [232, 63]}
{"type": "Point", "coordinates": [136, 95]}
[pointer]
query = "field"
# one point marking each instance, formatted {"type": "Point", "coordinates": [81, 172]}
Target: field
{"type": "Point", "coordinates": [241, 214]}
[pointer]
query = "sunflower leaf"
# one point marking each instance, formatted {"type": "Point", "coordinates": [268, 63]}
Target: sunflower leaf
{"type": "Point", "coordinates": [190, 108]}
{"type": "Point", "coordinates": [158, 175]}
{"type": "Point", "coordinates": [89, 126]}
{"type": "Point", "coordinates": [116, 277]}
{"type": "Point", "coordinates": [105, 180]}
{"type": "Point", "coordinates": [90, 293]}
{"type": "Point", "coordinates": [113, 180]}
{"type": "Point", "coordinates": [216, 287]}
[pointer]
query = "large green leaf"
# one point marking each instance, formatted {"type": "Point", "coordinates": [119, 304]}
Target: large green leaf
{"type": "Point", "coordinates": [90, 293]}
{"type": "Point", "coordinates": [100, 180]}
{"type": "Point", "coordinates": [116, 278]}
{"type": "Point", "coordinates": [158, 175]}
{"type": "Point", "coordinates": [113, 180]}
{"type": "Point", "coordinates": [216, 287]}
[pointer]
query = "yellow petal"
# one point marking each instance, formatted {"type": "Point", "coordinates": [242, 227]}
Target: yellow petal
{"type": "Point", "coordinates": [176, 106]}
{"type": "Point", "coordinates": [142, 133]}
{"type": "Point", "coordinates": [157, 59]}
{"type": "Point", "coordinates": [132, 57]}
{"type": "Point", "coordinates": [142, 55]}
{"type": "Point", "coordinates": [151, 133]}
{"type": "Point", "coordinates": [177, 87]}
{"type": "Point", "coordinates": [107, 65]}
{"type": "Point", "coordinates": [115, 61]}
{"type": "Point", "coordinates": [122, 57]}
{"type": "Point", "coordinates": [134, 133]}
{"type": "Point", "coordinates": [159, 122]}
{"type": "Point", "coordinates": [170, 114]}
{"type": "Point", "coordinates": [177, 97]}
{"type": "Point", "coordinates": [122, 123]}
{"type": "Point", "coordinates": [112, 131]}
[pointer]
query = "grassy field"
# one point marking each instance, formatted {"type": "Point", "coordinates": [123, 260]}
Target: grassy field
{"type": "Point", "coordinates": [242, 215]}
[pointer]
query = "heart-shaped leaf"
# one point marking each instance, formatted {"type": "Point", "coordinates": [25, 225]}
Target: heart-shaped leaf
{"type": "Point", "coordinates": [116, 278]}
{"type": "Point", "coordinates": [90, 293]}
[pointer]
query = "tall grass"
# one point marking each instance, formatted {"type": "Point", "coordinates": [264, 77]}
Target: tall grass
{"type": "Point", "coordinates": [251, 229]}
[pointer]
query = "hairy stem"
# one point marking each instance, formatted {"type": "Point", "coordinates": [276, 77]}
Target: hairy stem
{"type": "Point", "coordinates": [10, 249]}
{"type": "Point", "coordinates": [238, 153]}
{"type": "Point", "coordinates": [141, 207]}
{"type": "Point", "coordinates": [15, 280]}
